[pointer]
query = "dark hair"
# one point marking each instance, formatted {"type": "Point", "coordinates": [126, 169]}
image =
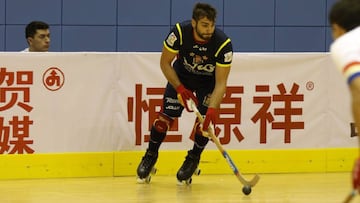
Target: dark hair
{"type": "Point", "coordinates": [202, 10]}
{"type": "Point", "coordinates": [33, 26]}
{"type": "Point", "coordinates": [345, 13]}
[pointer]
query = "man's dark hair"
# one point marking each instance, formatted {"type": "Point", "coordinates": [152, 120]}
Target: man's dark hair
{"type": "Point", "coordinates": [345, 13]}
{"type": "Point", "coordinates": [202, 10]}
{"type": "Point", "coordinates": [33, 26]}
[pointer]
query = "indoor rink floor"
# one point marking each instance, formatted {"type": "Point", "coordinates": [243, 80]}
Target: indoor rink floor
{"type": "Point", "coordinates": [274, 188]}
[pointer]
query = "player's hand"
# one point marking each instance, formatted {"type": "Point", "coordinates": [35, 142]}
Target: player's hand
{"type": "Point", "coordinates": [210, 118]}
{"type": "Point", "coordinates": [356, 174]}
{"type": "Point", "coordinates": [184, 95]}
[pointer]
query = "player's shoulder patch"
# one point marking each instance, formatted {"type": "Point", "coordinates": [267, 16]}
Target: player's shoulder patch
{"type": "Point", "coordinates": [171, 39]}
{"type": "Point", "coordinates": [228, 57]}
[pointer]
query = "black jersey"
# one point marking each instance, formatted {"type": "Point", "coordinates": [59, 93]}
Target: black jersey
{"type": "Point", "coordinates": [196, 61]}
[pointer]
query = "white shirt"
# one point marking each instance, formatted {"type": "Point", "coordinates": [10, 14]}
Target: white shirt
{"type": "Point", "coordinates": [345, 52]}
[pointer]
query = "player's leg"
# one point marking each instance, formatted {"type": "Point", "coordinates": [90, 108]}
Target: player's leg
{"type": "Point", "coordinates": [190, 165]}
{"type": "Point", "coordinates": [171, 108]}
{"type": "Point", "coordinates": [157, 135]}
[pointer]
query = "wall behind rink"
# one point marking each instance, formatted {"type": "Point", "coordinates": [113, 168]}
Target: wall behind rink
{"type": "Point", "coordinates": [89, 114]}
{"type": "Point", "coordinates": [140, 25]}
{"type": "Point", "coordinates": [75, 102]}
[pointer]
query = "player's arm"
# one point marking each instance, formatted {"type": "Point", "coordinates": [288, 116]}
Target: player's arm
{"type": "Point", "coordinates": [222, 70]}
{"type": "Point", "coordinates": [184, 95]}
{"type": "Point", "coordinates": [221, 77]}
{"type": "Point", "coordinates": [166, 60]}
{"type": "Point", "coordinates": [355, 94]}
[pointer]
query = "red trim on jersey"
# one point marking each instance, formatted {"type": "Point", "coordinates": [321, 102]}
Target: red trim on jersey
{"type": "Point", "coordinates": [349, 65]}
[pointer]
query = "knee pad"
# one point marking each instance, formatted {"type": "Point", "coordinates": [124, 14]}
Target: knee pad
{"type": "Point", "coordinates": [163, 123]}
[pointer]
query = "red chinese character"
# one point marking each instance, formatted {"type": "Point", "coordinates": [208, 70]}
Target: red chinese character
{"type": "Point", "coordinates": [230, 114]}
{"type": "Point", "coordinates": [288, 111]}
{"type": "Point", "coordinates": [22, 78]}
{"type": "Point", "coordinates": [152, 107]}
{"type": "Point", "coordinates": [8, 77]}
{"type": "Point", "coordinates": [4, 137]}
{"type": "Point", "coordinates": [20, 130]}
{"type": "Point", "coordinates": [263, 115]}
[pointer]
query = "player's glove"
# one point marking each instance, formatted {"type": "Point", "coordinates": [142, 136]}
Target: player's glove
{"type": "Point", "coordinates": [210, 118]}
{"type": "Point", "coordinates": [184, 95]}
{"type": "Point", "coordinates": [356, 174]}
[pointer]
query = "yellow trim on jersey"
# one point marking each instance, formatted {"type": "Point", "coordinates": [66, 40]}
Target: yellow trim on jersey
{"type": "Point", "coordinates": [170, 49]}
{"type": "Point", "coordinates": [222, 46]}
{"type": "Point", "coordinates": [223, 65]}
{"type": "Point", "coordinates": [180, 33]}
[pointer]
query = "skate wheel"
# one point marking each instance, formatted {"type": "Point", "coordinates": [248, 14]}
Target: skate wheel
{"type": "Point", "coordinates": [148, 179]}
{"type": "Point", "coordinates": [197, 172]}
{"type": "Point", "coordinates": [188, 181]}
{"type": "Point", "coordinates": [184, 182]}
{"type": "Point", "coordinates": [143, 180]}
{"type": "Point", "coordinates": [180, 183]}
{"type": "Point", "coordinates": [153, 170]}
{"type": "Point", "coordinates": [140, 180]}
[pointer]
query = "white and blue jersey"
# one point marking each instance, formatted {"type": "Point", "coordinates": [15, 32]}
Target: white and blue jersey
{"type": "Point", "coordinates": [346, 52]}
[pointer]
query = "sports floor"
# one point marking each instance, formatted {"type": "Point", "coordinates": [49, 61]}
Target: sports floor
{"type": "Point", "coordinates": [274, 188]}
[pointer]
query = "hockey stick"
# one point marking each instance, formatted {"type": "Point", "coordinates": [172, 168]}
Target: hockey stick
{"type": "Point", "coordinates": [247, 184]}
{"type": "Point", "coordinates": [350, 196]}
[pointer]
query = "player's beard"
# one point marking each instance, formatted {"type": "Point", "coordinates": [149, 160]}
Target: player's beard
{"type": "Point", "coordinates": [205, 37]}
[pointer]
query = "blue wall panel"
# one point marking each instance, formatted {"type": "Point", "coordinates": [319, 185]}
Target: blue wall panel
{"type": "Point", "coordinates": [141, 25]}
{"type": "Point", "coordinates": [301, 13]}
{"type": "Point", "coordinates": [2, 25]}
{"type": "Point", "coordinates": [182, 10]}
{"type": "Point", "coordinates": [251, 39]}
{"type": "Point", "coordinates": [328, 39]}
{"type": "Point", "coordinates": [89, 38]}
{"type": "Point", "coordinates": [89, 12]}
{"type": "Point", "coordinates": [55, 33]}
{"type": "Point", "coordinates": [140, 12]}
{"type": "Point", "coordinates": [249, 12]}
{"type": "Point", "coordinates": [2, 38]}
{"type": "Point", "coordinates": [2, 12]}
{"type": "Point", "coordinates": [22, 12]}
{"type": "Point", "coordinates": [15, 38]}
{"type": "Point", "coordinates": [299, 39]}
{"type": "Point", "coordinates": [144, 38]}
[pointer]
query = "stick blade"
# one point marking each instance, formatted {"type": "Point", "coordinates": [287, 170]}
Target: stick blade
{"type": "Point", "coordinates": [350, 196]}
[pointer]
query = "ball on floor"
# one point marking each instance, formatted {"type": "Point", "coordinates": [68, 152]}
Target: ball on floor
{"type": "Point", "coordinates": [246, 190]}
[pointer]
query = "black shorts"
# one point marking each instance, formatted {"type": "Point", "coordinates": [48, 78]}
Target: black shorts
{"type": "Point", "coordinates": [173, 108]}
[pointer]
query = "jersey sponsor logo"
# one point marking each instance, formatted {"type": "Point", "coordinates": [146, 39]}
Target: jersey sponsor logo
{"type": "Point", "coordinates": [171, 39]}
{"type": "Point", "coordinates": [172, 108]}
{"type": "Point", "coordinates": [202, 49]}
{"type": "Point", "coordinates": [228, 57]}
{"type": "Point", "coordinates": [199, 48]}
{"type": "Point", "coordinates": [171, 100]}
{"type": "Point", "coordinates": [199, 69]}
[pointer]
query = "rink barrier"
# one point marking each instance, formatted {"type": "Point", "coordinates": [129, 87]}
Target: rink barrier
{"type": "Point", "coordinates": [124, 163]}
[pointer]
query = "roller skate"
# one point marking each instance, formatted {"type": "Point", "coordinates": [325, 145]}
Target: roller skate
{"type": "Point", "coordinates": [146, 167]}
{"type": "Point", "coordinates": [188, 169]}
